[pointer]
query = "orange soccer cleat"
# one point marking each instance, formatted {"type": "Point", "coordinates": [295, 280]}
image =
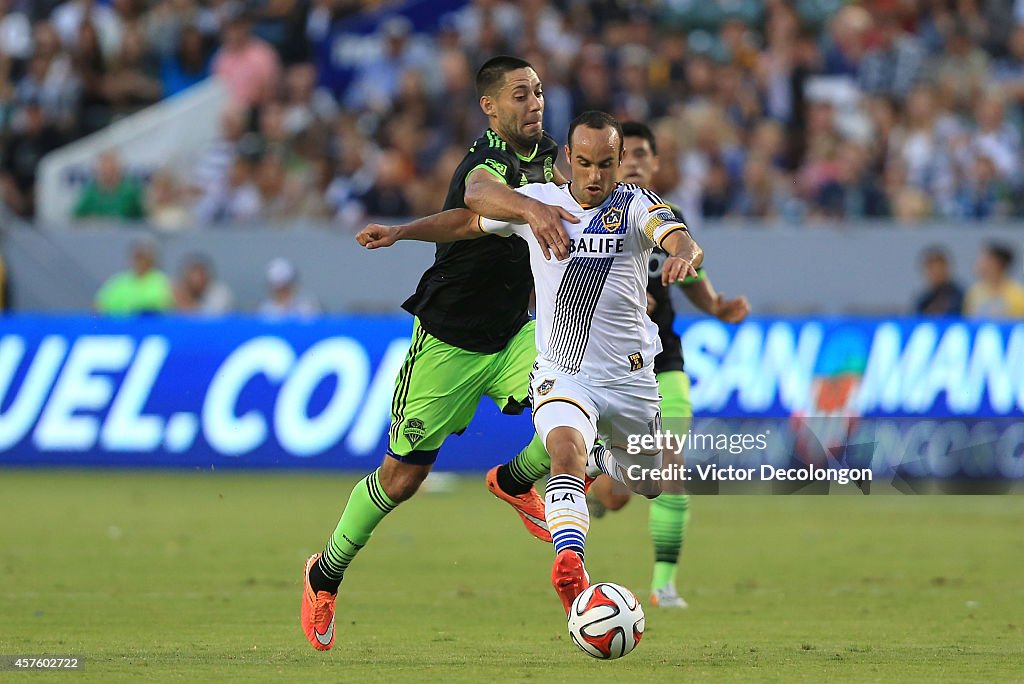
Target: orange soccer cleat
{"type": "Point", "coordinates": [529, 506]}
{"type": "Point", "coordinates": [317, 612]}
{"type": "Point", "coordinates": [569, 577]}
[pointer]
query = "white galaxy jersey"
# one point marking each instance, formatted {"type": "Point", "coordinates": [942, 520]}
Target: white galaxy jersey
{"type": "Point", "coordinates": [592, 307]}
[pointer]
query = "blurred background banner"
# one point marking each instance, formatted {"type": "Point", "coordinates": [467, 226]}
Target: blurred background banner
{"type": "Point", "coordinates": [348, 45]}
{"type": "Point", "coordinates": [316, 393]}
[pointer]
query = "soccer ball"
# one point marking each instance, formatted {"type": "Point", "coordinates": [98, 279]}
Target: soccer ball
{"type": "Point", "coordinates": [606, 621]}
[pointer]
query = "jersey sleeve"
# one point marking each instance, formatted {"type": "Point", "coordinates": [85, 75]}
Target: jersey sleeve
{"type": "Point", "coordinates": [654, 217]}
{"type": "Point", "coordinates": [506, 228]}
{"type": "Point", "coordinates": [493, 154]}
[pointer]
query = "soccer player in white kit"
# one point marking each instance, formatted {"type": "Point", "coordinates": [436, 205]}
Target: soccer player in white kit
{"type": "Point", "coordinates": [594, 374]}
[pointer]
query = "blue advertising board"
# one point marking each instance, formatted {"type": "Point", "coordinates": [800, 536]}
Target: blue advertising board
{"type": "Point", "coordinates": [241, 392]}
{"type": "Point", "coordinates": [351, 42]}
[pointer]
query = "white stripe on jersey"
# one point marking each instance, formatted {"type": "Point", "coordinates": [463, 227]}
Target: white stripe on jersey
{"type": "Point", "coordinates": [592, 307]}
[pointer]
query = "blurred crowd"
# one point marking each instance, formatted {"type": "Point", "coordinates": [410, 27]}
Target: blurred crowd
{"type": "Point", "coordinates": [787, 110]}
{"type": "Point", "coordinates": [142, 287]}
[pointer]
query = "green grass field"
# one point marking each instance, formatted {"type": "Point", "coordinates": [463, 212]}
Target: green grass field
{"type": "Point", "coordinates": [196, 577]}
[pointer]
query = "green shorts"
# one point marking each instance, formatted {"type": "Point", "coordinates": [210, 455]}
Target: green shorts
{"type": "Point", "coordinates": [440, 386]}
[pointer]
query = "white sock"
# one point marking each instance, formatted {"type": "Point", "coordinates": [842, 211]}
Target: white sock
{"type": "Point", "coordinates": [565, 508]}
{"type": "Point", "coordinates": [595, 456]}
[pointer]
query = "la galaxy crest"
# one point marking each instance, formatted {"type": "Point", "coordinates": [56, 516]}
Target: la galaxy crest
{"type": "Point", "coordinates": [611, 219]}
{"type": "Point", "coordinates": [545, 387]}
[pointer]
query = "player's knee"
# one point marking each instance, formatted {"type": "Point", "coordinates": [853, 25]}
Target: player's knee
{"type": "Point", "coordinates": [567, 451]}
{"type": "Point", "coordinates": [401, 480]}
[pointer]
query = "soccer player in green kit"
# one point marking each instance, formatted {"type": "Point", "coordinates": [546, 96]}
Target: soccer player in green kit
{"type": "Point", "coordinates": [472, 333]}
{"type": "Point", "coordinates": [669, 511]}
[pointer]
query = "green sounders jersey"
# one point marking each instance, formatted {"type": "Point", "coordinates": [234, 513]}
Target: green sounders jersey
{"type": "Point", "coordinates": [129, 293]}
{"type": "Point", "coordinates": [476, 294]}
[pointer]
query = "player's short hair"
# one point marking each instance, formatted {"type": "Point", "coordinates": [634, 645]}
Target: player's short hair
{"type": "Point", "coordinates": [1001, 253]}
{"type": "Point", "coordinates": [491, 76]}
{"type": "Point", "coordinates": [597, 121]}
{"type": "Point", "coordinates": [635, 129]}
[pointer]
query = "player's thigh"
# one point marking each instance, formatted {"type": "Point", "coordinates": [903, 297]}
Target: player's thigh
{"type": "Point", "coordinates": [438, 389]}
{"type": "Point", "coordinates": [559, 401]}
{"type": "Point", "coordinates": [631, 423]}
{"type": "Point", "coordinates": [509, 382]}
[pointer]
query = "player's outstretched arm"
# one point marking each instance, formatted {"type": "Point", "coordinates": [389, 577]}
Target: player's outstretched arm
{"type": "Point", "coordinates": [490, 197]}
{"type": "Point", "coordinates": [685, 256]}
{"type": "Point", "coordinates": [702, 295]}
{"type": "Point", "coordinates": [446, 226]}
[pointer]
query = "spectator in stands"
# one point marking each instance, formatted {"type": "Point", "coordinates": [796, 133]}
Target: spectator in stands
{"type": "Point", "coordinates": [1009, 72]}
{"type": "Point", "coordinates": [187, 64]}
{"type": "Point", "coordinates": [942, 296]}
{"type": "Point", "coordinates": [994, 136]}
{"type": "Point", "coordinates": [249, 66]}
{"type": "Point", "coordinates": [198, 291]}
{"type": "Point", "coordinates": [763, 195]}
{"type": "Point", "coordinates": [994, 295]}
{"type": "Point", "coordinates": [851, 191]}
{"type": "Point", "coordinates": [142, 289]}
{"type": "Point", "coordinates": [592, 87]}
{"type": "Point", "coordinates": [235, 200]}
{"type": "Point", "coordinates": [214, 166]}
{"type": "Point", "coordinates": [961, 71]}
{"type": "Point", "coordinates": [134, 78]}
{"type": "Point", "coordinates": [777, 62]}
{"type": "Point", "coordinates": [312, 202]}
{"type": "Point", "coordinates": [376, 83]}
{"type": "Point", "coordinates": [167, 22]}
{"type": "Point", "coordinates": [49, 82]}
{"type": "Point", "coordinates": [165, 208]}
{"type": "Point", "coordinates": [285, 301]}
{"type": "Point", "coordinates": [717, 197]}
{"type": "Point", "coordinates": [309, 112]}
{"type": "Point", "coordinates": [110, 195]}
{"type": "Point", "coordinates": [911, 205]}
{"type": "Point", "coordinates": [90, 65]}
{"type": "Point", "coordinates": [281, 23]}
{"type": "Point", "coordinates": [20, 158]}
{"type": "Point", "coordinates": [847, 41]}
{"type": "Point", "coordinates": [70, 17]}
{"type": "Point", "coordinates": [278, 197]}
{"type": "Point", "coordinates": [984, 195]}
{"type": "Point", "coordinates": [897, 61]}
{"type": "Point", "coordinates": [923, 146]}
{"type": "Point", "coordinates": [387, 195]}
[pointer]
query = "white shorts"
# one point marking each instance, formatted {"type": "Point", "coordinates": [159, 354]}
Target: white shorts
{"type": "Point", "coordinates": [618, 414]}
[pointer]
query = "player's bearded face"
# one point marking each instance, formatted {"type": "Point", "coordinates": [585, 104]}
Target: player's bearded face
{"type": "Point", "coordinates": [594, 158]}
{"type": "Point", "coordinates": [520, 108]}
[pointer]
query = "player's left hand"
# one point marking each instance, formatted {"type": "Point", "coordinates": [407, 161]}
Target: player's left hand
{"type": "Point", "coordinates": [377, 235]}
{"type": "Point", "coordinates": [676, 270]}
{"type": "Point", "coordinates": [731, 310]}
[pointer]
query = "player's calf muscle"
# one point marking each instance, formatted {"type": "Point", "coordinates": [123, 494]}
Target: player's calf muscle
{"type": "Point", "coordinates": [401, 480]}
